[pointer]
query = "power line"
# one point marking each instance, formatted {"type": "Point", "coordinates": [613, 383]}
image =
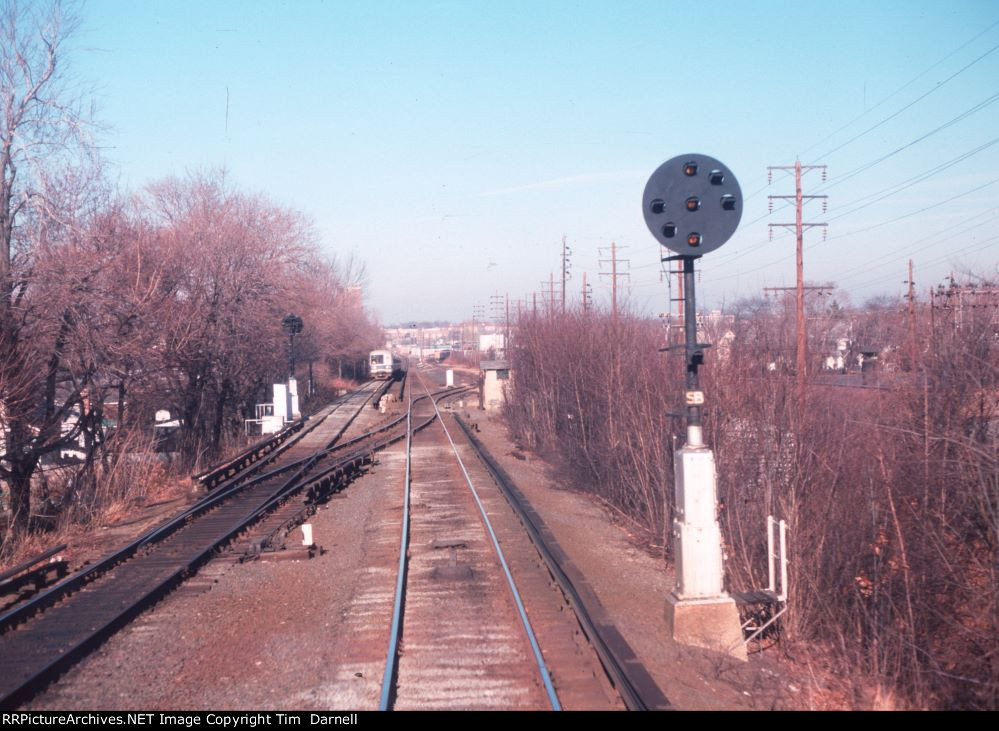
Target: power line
{"type": "Point", "coordinates": [867, 166]}
{"type": "Point", "coordinates": [888, 192]}
{"type": "Point", "coordinates": [915, 101]}
{"type": "Point", "coordinates": [902, 88]}
{"type": "Point", "coordinates": [886, 99]}
{"type": "Point", "coordinates": [891, 96]}
{"type": "Point", "coordinates": [933, 238]}
{"type": "Point", "coordinates": [909, 182]}
{"type": "Point", "coordinates": [862, 230]}
{"type": "Point", "coordinates": [964, 250]}
{"type": "Point", "coordinates": [916, 212]}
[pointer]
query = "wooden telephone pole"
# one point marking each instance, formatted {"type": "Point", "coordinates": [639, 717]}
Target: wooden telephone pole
{"type": "Point", "coordinates": [912, 318]}
{"type": "Point", "coordinates": [613, 274]}
{"type": "Point", "coordinates": [566, 264]}
{"type": "Point", "coordinates": [799, 234]}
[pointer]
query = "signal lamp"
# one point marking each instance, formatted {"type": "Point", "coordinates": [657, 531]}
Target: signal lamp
{"type": "Point", "coordinates": [728, 202]}
{"type": "Point", "coordinates": [693, 239]}
{"type": "Point", "coordinates": [693, 203]}
{"type": "Point", "coordinates": [690, 169]}
{"type": "Point", "coordinates": [717, 177]}
{"type": "Point", "coordinates": [669, 230]}
{"type": "Point", "coordinates": [657, 205]}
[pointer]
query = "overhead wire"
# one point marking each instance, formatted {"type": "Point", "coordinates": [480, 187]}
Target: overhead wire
{"type": "Point", "coordinates": [895, 93]}
{"type": "Point", "coordinates": [862, 230]}
{"type": "Point", "coordinates": [908, 182]}
{"type": "Point", "coordinates": [884, 193]}
{"type": "Point", "coordinates": [934, 239]}
{"type": "Point", "coordinates": [911, 104]}
{"type": "Point", "coordinates": [898, 187]}
{"type": "Point", "coordinates": [842, 178]}
{"type": "Point", "coordinates": [910, 214]}
{"type": "Point", "coordinates": [944, 257]}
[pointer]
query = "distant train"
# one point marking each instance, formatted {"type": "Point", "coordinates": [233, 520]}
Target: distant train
{"type": "Point", "coordinates": [383, 365]}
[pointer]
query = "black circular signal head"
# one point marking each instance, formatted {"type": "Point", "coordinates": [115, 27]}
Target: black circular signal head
{"type": "Point", "coordinates": [692, 204]}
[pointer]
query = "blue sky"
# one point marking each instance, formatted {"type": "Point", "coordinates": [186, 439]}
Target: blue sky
{"type": "Point", "coordinates": [452, 144]}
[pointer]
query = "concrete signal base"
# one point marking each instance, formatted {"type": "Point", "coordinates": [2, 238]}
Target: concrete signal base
{"type": "Point", "coordinates": [709, 623]}
{"type": "Point", "coordinates": [699, 611]}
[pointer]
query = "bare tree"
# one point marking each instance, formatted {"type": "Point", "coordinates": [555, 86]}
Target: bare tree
{"type": "Point", "coordinates": [45, 167]}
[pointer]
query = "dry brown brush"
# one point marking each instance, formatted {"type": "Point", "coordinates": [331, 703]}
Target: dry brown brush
{"type": "Point", "coordinates": [891, 492]}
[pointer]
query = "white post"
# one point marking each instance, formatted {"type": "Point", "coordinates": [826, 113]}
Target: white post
{"type": "Point", "coordinates": [293, 412]}
{"type": "Point", "coordinates": [282, 402]}
{"type": "Point", "coordinates": [699, 611]}
{"type": "Point", "coordinates": [770, 555]}
{"type": "Point", "coordinates": [449, 377]}
{"type": "Point", "coordinates": [783, 562]}
{"type": "Point", "coordinates": [307, 534]}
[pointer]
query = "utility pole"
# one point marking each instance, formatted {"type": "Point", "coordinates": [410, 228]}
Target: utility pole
{"type": "Point", "coordinates": [586, 295]}
{"type": "Point", "coordinates": [566, 264]}
{"type": "Point", "coordinates": [614, 278]}
{"type": "Point", "coordinates": [496, 305]}
{"type": "Point", "coordinates": [912, 315]}
{"type": "Point", "coordinates": [613, 274]}
{"type": "Point", "coordinates": [818, 288]}
{"type": "Point", "coordinates": [506, 337]}
{"type": "Point", "coordinates": [799, 234]}
{"type": "Point", "coordinates": [478, 312]}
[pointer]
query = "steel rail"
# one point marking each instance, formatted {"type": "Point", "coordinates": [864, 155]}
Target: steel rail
{"type": "Point", "coordinates": [634, 684]}
{"type": "Point", "coordinates": [392, 656]}
{"type": "Point", "coordinates": [77, 649]}
{"type": "Point", "coordinates": [24, 566]}
{"type": "Point", "coordinates": [254, 467]}
{"type": "Point", "coordinates": [352, 459]}
{"type": "Point", "coordinates": [237, 464]}
{"type": "Point", "coordinates": [75, 581]}
{"type": "Point", "coordinates": [542, 667]}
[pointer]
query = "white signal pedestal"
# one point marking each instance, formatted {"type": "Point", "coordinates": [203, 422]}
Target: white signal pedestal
{"type": "Point", "coordinates": [699, 612]}
{"type": "Point", "coordinates": [282, 402]}
{"type": "Point", "coordinates": [293, 412]}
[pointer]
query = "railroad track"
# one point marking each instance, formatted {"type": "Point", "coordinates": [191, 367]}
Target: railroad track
{"type": "Point", "coordinates": [636, 687]}
{"type": "Point", "coordinates": [458, 639]}
{"type": "Point", "coordinates": [480, 619]}
{"type": "Point", "coordinates": [44, 636]}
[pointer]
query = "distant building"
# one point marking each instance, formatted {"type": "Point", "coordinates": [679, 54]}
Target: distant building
{"type": "Point", "coordinates": [492, 341]}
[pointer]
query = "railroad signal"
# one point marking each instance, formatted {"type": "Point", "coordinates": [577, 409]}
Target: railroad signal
{"type": "Point", "coordinates": [692, 204]}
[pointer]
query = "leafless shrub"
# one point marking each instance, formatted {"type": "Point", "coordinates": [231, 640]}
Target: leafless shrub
{"type": "Point", "coordinates": [890, 492]}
